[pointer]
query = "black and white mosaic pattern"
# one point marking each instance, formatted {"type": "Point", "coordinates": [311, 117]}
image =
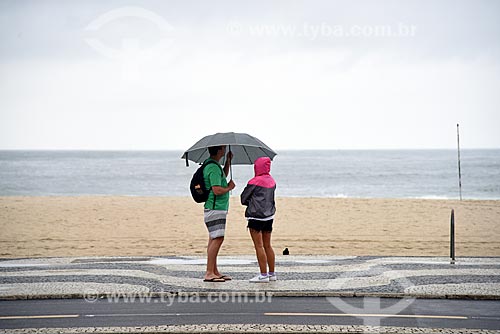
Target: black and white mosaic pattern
{"type": "Point", "coordinates": [298, 275]}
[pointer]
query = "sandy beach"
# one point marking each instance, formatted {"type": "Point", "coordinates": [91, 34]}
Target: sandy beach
{"type": "Point", "coordinates": [162, 226]}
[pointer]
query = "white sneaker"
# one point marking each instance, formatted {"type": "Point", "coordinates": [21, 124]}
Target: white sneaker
{"type": "Point", "coordinates": [259, 279]}
{"type": "Point", "coordinates": [272, 278]}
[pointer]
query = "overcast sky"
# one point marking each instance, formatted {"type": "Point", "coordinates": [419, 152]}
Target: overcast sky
{"type": "Point", "coordinates": [296, 74]}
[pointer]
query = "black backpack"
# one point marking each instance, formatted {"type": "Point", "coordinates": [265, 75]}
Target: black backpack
{"type": "Point", "coordinates": [198, 189]}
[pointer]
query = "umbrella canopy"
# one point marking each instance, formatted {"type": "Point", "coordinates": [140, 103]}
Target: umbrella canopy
{"type": "Point", "coordinates": [245, 148]}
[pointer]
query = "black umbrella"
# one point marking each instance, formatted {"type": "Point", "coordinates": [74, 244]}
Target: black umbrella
{"type": "Point", "coordinates": [246, 149]}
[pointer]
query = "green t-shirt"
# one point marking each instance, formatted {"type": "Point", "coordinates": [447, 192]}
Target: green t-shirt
{"type": "Point", "coordinates": [214, 176]}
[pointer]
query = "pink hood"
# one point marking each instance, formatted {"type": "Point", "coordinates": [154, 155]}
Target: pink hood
{"type": "Point", "coordinates": [262, 167]}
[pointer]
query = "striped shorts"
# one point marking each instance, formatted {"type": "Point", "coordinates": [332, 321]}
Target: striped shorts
{"type": "Point", "coordinates": [215, 220]}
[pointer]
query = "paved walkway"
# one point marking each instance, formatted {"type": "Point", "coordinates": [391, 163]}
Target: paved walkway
{"type": "Point", "coordinates": [94, 277]}
{"type": "Point", "coordinates": [98, 277]}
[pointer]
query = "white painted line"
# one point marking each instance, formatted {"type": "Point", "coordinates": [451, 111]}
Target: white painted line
{"type": "Point", "coordinates": [163, 314]}
{"type": "Point", "coordinates": [54, 316]}
{"type": "Point", "coordinates": [362, 315]}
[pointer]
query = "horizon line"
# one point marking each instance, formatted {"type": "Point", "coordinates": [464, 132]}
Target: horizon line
{"type": "Point", "coordinates": [276, 149]}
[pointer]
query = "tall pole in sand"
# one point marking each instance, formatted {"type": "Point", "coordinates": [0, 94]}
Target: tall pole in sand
{"type": "Point", "coordinates": [459, 171]}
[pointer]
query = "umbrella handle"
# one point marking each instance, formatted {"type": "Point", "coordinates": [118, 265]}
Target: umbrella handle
{"type": "Point", "coordinates": [187, 161]}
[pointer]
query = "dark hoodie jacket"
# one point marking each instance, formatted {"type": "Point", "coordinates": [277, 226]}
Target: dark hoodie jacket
{"type": "Point", "coordinates": [258, 195]}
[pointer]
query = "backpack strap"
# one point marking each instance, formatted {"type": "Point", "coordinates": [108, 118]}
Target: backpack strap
{"type": "Point", "coordinates": [221, 174]}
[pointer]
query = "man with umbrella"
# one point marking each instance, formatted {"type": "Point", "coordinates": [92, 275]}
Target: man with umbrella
{"type": "Point", "coordinates": [215, 209]}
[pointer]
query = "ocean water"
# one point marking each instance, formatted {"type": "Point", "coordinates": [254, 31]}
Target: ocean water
{"type": "Point", "coordinates": [343, 173]}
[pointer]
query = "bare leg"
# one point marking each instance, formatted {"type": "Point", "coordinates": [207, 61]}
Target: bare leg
{"type": "Point", "coordinates": [266, 239]}
{"type": "Point", "coordinates": [212, 252]}
{"type": "Point", "coordinates": [259, 250]}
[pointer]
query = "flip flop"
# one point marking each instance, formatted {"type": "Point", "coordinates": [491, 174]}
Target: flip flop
{"type": "Point", "coordinates": [215, 280]}
{"type": "Point", "coordinates": [226, 278]}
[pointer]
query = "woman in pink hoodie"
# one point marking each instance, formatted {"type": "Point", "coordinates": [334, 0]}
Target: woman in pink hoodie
{"type": "Point", "coordinates": [258, 196]}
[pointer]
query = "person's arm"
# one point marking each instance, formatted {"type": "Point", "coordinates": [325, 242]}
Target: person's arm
{"type": "Point", "coordinates": [218, 190]}
{"type": "Point", "coordinates": [215, 180]}
{"type": "Point", "coordinates": [246, 194]}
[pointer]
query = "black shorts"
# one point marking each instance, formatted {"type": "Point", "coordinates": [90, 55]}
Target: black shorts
{"type": "Point", "coordinates": [261, 225]}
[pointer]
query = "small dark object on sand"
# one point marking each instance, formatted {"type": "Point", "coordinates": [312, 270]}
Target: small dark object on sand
{"type": "Point", "coordinates": [286, 252]}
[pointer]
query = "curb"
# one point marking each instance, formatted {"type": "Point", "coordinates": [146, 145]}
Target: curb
{"type": "Point", "coordinates": [250, 329]}
{"type": "Point", "coordinates": [244, 294]}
